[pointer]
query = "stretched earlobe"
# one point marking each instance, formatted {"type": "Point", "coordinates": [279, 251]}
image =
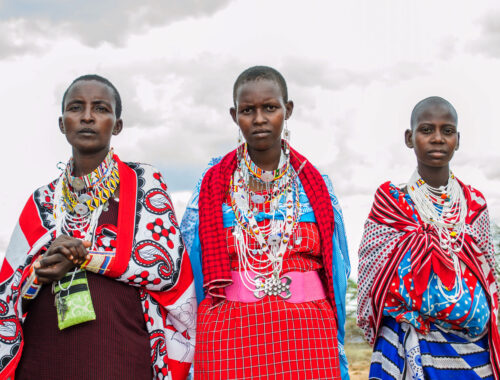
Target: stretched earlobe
{"type": "Point", "coordinates": [118, 127]}
{"type": "Point", "coordinates": [408, 138]}
{"type": "Point", "coordinates": [289, 109]}
{"type": "Point", "coordinates": [61, 126]}
{"type": "Point", "coordinates": [232, 112]}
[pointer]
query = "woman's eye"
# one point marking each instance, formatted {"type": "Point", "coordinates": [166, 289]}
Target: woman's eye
{"type": "Point", "coordinates": [101, 109]}
{"type": "Point", "coordinates": [271, 108]}
{"type": "Point", "coordinates": [74, 108]}
{"type": "Point", "coordinates": [246, 111]}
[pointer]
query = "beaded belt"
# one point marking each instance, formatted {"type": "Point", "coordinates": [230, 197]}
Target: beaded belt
{"type": "Point", "coordinates": [294, 287]}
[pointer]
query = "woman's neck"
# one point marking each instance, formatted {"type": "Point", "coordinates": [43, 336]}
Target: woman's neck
{"type": "Point", "coordinates": [434, 177]}
{"type": "Point", "coordinates": [85, 163]}
{"type": "Point", "coordinates": [266, 159]}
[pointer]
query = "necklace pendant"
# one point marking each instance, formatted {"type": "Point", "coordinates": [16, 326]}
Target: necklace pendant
{"type": "Point", "coordinates": [267, 176]}
{"type": "Point", "coordinates": [81, 209]}
{"type": "Point", "coordinates": [273, 239]}
{"type": "Point", "coordinates": [84, 198]}
{"type": "Point", "coordinates": [257, 198]}
{"type": "Point", "coordinates": [78, 184]}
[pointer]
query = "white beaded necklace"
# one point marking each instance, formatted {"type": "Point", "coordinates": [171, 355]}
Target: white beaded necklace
{"type": "Point", "coordinates": [445, 208]}
{"type": "Point", "coordinates": [267, 259]}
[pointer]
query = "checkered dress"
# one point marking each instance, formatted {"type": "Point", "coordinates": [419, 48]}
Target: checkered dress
{"type": "Point", "coordinates": [271, 338]}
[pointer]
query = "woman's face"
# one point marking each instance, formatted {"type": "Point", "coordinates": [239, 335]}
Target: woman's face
{"type": "Point", "coordinates": [260, 113]}
{"type": "Point", "coordinates": [434, 137]}
{"type": "Point", "coordinates": [89, 119]}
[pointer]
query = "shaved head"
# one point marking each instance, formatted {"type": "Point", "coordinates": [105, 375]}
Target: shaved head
{"type": "Point", "coordinates": [425, 104]}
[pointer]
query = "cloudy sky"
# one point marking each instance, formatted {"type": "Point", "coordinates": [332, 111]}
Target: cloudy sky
{"type": "Point", "coordinates": [354, 69]}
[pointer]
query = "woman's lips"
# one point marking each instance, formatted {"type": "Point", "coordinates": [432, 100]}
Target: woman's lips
{"type": "Point", "coordinates": [261, 133]}
{"type": "Point", "coordinates": [86, 131]}
{"type": "Point", "coordinates": [437, 153]}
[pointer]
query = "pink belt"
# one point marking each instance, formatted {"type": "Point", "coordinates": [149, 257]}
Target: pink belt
{"type": "Point", "coordinates": [294, 287]}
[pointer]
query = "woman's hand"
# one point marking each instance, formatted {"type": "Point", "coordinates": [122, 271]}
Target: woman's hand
{"type": "Point", "coordinates": [52, 268]}
{"type": "Point", "coordinates": [73, 249]}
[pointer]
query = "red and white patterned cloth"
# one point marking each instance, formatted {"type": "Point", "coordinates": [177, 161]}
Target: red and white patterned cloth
{"type": "Point", "coordinates": [158, 265]}
{"type": "Point", "coordinates": [391, 231]}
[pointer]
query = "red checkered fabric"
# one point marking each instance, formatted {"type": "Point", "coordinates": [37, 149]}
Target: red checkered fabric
{"type": "Point", "coordinates": [303, 253]}
{"type": "Point", "coordinates": [272, 338]}
{"type": "Point", "coordinates": [214, 188]}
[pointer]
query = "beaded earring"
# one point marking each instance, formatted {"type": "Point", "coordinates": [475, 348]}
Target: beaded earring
{"type": "Point", "coordinates": [286, 137]}
{"type": "Point", "coordinates": [238, 145]}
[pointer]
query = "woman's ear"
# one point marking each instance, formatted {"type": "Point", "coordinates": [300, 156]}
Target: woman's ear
{"type": "Point", "coordinates": [232, 112]}
{"type": "Point", "coordinates": [61, 125]}
{"type": "Point", "coordinates": [118, 127]}
{"type": "Point", "coordinates": [409, 138]}
{"type": "Point", "coordinates": [289, 109]}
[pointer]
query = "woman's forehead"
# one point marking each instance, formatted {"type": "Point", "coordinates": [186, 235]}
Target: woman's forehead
{"type": "Point", "coordinates": [259, 87]}
{"type": "Point", "coordinates": [90, 88]}
{"type": "Point", "coordinates": [435, 112]}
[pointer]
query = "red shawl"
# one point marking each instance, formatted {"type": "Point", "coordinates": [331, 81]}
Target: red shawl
{"type": "Point", "coordinates": [215, 255]}
{"type": "Point", "coordinates": [391, 231]}
{"type": "Point", "coordinates": [160, 267]}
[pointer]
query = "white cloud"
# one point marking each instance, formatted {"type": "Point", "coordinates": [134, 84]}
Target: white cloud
{"type": "Point", "coordinates": [95, 21]}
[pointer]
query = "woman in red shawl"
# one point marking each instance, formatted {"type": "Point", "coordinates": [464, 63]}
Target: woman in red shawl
{"type": "Point", "coordinates": [428, 298]}
{"type": "Point", "coordinates": [96, 283]}
{"type": "Point", "coordinates": [266, 238]}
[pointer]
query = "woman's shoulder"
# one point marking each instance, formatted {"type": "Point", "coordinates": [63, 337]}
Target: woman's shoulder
{"type": "Point", "coordinates": [44, 195]}
{"type": "Point", "coordinates": [141, 166]}
{"type": "Point", "coordinates": [475, 198]}
{"type": "Point", "coordinates": [389, 187]}
{"type": "Point", "coordinates": [193, 201]}
{"type": "Point", "coordinates": [475, 193]}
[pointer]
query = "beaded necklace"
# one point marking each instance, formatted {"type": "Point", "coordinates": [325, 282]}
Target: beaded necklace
{"type": "Point", "coordinates": [445, 208]}
{"type": "Point", "coordinates": [89, 180]}
{"type": "Point", "coordinates": [77, 211]}
{"type": "Point", "coordinates": [272, 240]}
{"type": "Point", "coordinates": [91, 190]}
{"type": "Point", "coordinates": [265, 176]}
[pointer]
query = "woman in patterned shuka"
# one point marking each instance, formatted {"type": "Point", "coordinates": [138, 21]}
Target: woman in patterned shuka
{"type": "Point", "coordinates": [266, 239]}
{"type": "Point", "coordinates": [428, 298]}
{"type": "Point", "coordinates": [102, 237]}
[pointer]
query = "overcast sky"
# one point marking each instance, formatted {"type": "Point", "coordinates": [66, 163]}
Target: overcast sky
{"type": "Point", "coordinates": [355, 69]}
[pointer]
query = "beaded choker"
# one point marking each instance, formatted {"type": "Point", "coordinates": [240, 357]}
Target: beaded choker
{"type": "Point", "coordinates": [89, 180]}
{"type": "Point", "coordinates": [265, 176]}
{"type": "Point", "coordinates": [81, 194]}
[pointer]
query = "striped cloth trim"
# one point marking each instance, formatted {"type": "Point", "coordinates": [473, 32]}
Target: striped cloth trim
{"type": "Point", "coordinates": [401, 352]}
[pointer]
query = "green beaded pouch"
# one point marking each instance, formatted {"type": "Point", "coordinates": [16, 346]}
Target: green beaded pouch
{"type": "Point", "coordinates": [73, 300]}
